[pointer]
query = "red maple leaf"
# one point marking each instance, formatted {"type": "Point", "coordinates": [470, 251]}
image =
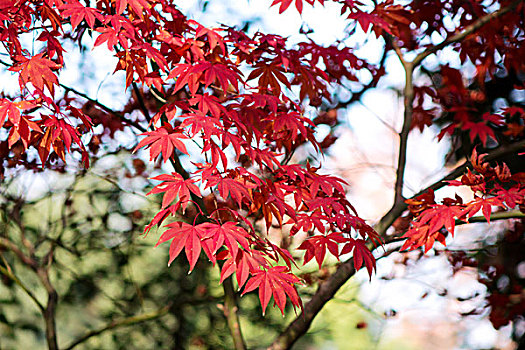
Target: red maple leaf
{"type": "Point", "coordinates": [183, 236]}
{"type": "Point", "coordinates": [161, 140]}
{"type": "Point", "coordinates": [277, 282]}
{"type": "Point", "coordinates": [512, 196]}
{"type": "Point", "coordinates": [298, 4]}
{"type": "Point", "coordinates": [439, 216]}
{"type": "Point", "coordinates": [236, 188]}
{"type": "Point", "coordinates": [11, 110]}
{"type": "Point", "coordinates": [247, 262]}
{"type": "Point", "coordinates": [229, 234]}
{"type": "Point", "coordinates": [481, 130]}
{"type": "Point", "coordinates": [79, 12]}
{"type": "Point", "coordinates": [485, 204]}
{"type": "Point", "coordinates": [138, 6]}
{"type": "Point", "coordinates": [208, 103]}
{"type": "Point", "coordinates": [269, 77]}
{"type": "Point", "coordinates": [38, 71]}
{"type": "Point", "coordinates": [361, 254]}
{"type": "Point", "coordinates": [174, 186]}
{"type": "Point", "coordinates": [316, 247]}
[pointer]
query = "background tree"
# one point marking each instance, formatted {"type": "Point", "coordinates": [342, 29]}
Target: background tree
{"type": "Point", "coordinates": [229, 116]}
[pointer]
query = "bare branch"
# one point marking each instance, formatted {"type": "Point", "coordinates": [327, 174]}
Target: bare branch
{"type": "Point", "coordinates": [5, 243]}
{"type": "Point", "coordinates": [232, 317]}
{"type": "Point", "coordinates": [9, 274]}
{"type": "Point", "coordinates": [105, 108]}
{"type": "Point", "coordinates": [403, 135]}
{"type": "Point", "coordinates": [128, 321]}
{"type": "Point", "coordinates": [49, 313]}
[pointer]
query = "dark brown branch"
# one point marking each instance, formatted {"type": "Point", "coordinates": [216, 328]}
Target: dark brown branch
{"type": "Point", "coordinates": [105, 108]}
{"type": "Point", "coordinates": [4, 242]}
{"type": "Point", "coordinates": [140, 100]}
{"type": "Point", "coordinates": [49, 313]}
{"type": "Point", "coordinates": [128, 321]}
{"type": "Point", "coordinates": [467, 31]}
{"type": "Point", "coordinates": [324, 293]}
{"type": "Point", "coordinates": [356, 96]}
{"type": "Point", "coordinates": [502, 215]}
{"type": "Point", "coordinates": [403, 135]}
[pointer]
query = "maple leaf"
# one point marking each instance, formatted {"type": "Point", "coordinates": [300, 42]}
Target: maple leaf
{"type": "Point", "coordinates": [512, 196]}
{"type": "Point", "coordinates": [11, 110]}
{"type": "Point", "coordinates": [138, 6]}
{"type": "Point", "coordinates": [269, 77]}
{"type": "Point", "coordinates": [183, 236]}
{"type": "Point", "coordinates": [298, 4]}
{"type": "Point", "coordinates": [236, 188]}
{"type": "Point", "coordinates": [419, 235]}
{"type": "Point", "coordinates": [186, 74]}
{"type": "Point", "coordinates": [291, 123]}
{"type": "Point", "coordinates": [79, 13]}
{"type": "Point", "coordinates": [441, 216]}
{"type": "Point", "coordinates": [316, 246]}
{"type": "Point", "coordinates": [38, 71]}
{"type": "Point", "coordinates": [485, 204]}
{"type": "Point", "coordinates": [481, 130]}
{"type": "Point", "coordinates": [214, 38]}
{"type": "Point", "coordinates": [229, 234]}
{"type": "Point", "coordinates": [161, 140]}
{"type": "Point", "coordinates": [366, 19]}
{"type": "Point", "coordinates": [161, 216]}
{"type": "Point", "coordinates": [226, 76]}
{"type": "Point", "coordinates": [277, 282]}
{"type": "Point", "coordinates": [208, 103]}
{"type": "Point", "coordinates": [173, 186]}
{"type": "Point", "coordinates": [246, 262]}
{"type": "Point", "coordinates": [362, 254]}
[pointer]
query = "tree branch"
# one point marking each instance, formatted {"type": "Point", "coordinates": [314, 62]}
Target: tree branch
{"type": "Point", "coordinates": [467, 31]}
{"type": "Point", "coordinates": [9, 274]}
{"type": "Point", "coordinates": [403, 135]}
{"type": "Point", "coordinates": [128, 321]}
{"type": "Point", "coordinates": [324, 293]}
{"type": "Point", "coordinates": [4, 242]}
{"type": "Point", "coordinates": [230, 312]}
{"type": "Point", "coordinates": [501, 215]}
{"type": "Point", "coordinates": [105, 108]}
{"type": "Point", "coordinates": [49, 313]}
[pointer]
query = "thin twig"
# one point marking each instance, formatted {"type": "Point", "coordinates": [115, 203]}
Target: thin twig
{"type": "Point", "coordinates": [105, 108]}
{"type": "Point", "coordinates": [9, 274]}
{"type": "Point", "coordinates": [128, 321]}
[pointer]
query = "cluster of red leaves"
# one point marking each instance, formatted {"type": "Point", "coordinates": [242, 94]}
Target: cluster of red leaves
{"type": "Point", "coordinates": [234, 116]}
{"type": "Point", "coordinates": [492, 188]}
{"type": "Point", "coordinates": [232, 94]}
